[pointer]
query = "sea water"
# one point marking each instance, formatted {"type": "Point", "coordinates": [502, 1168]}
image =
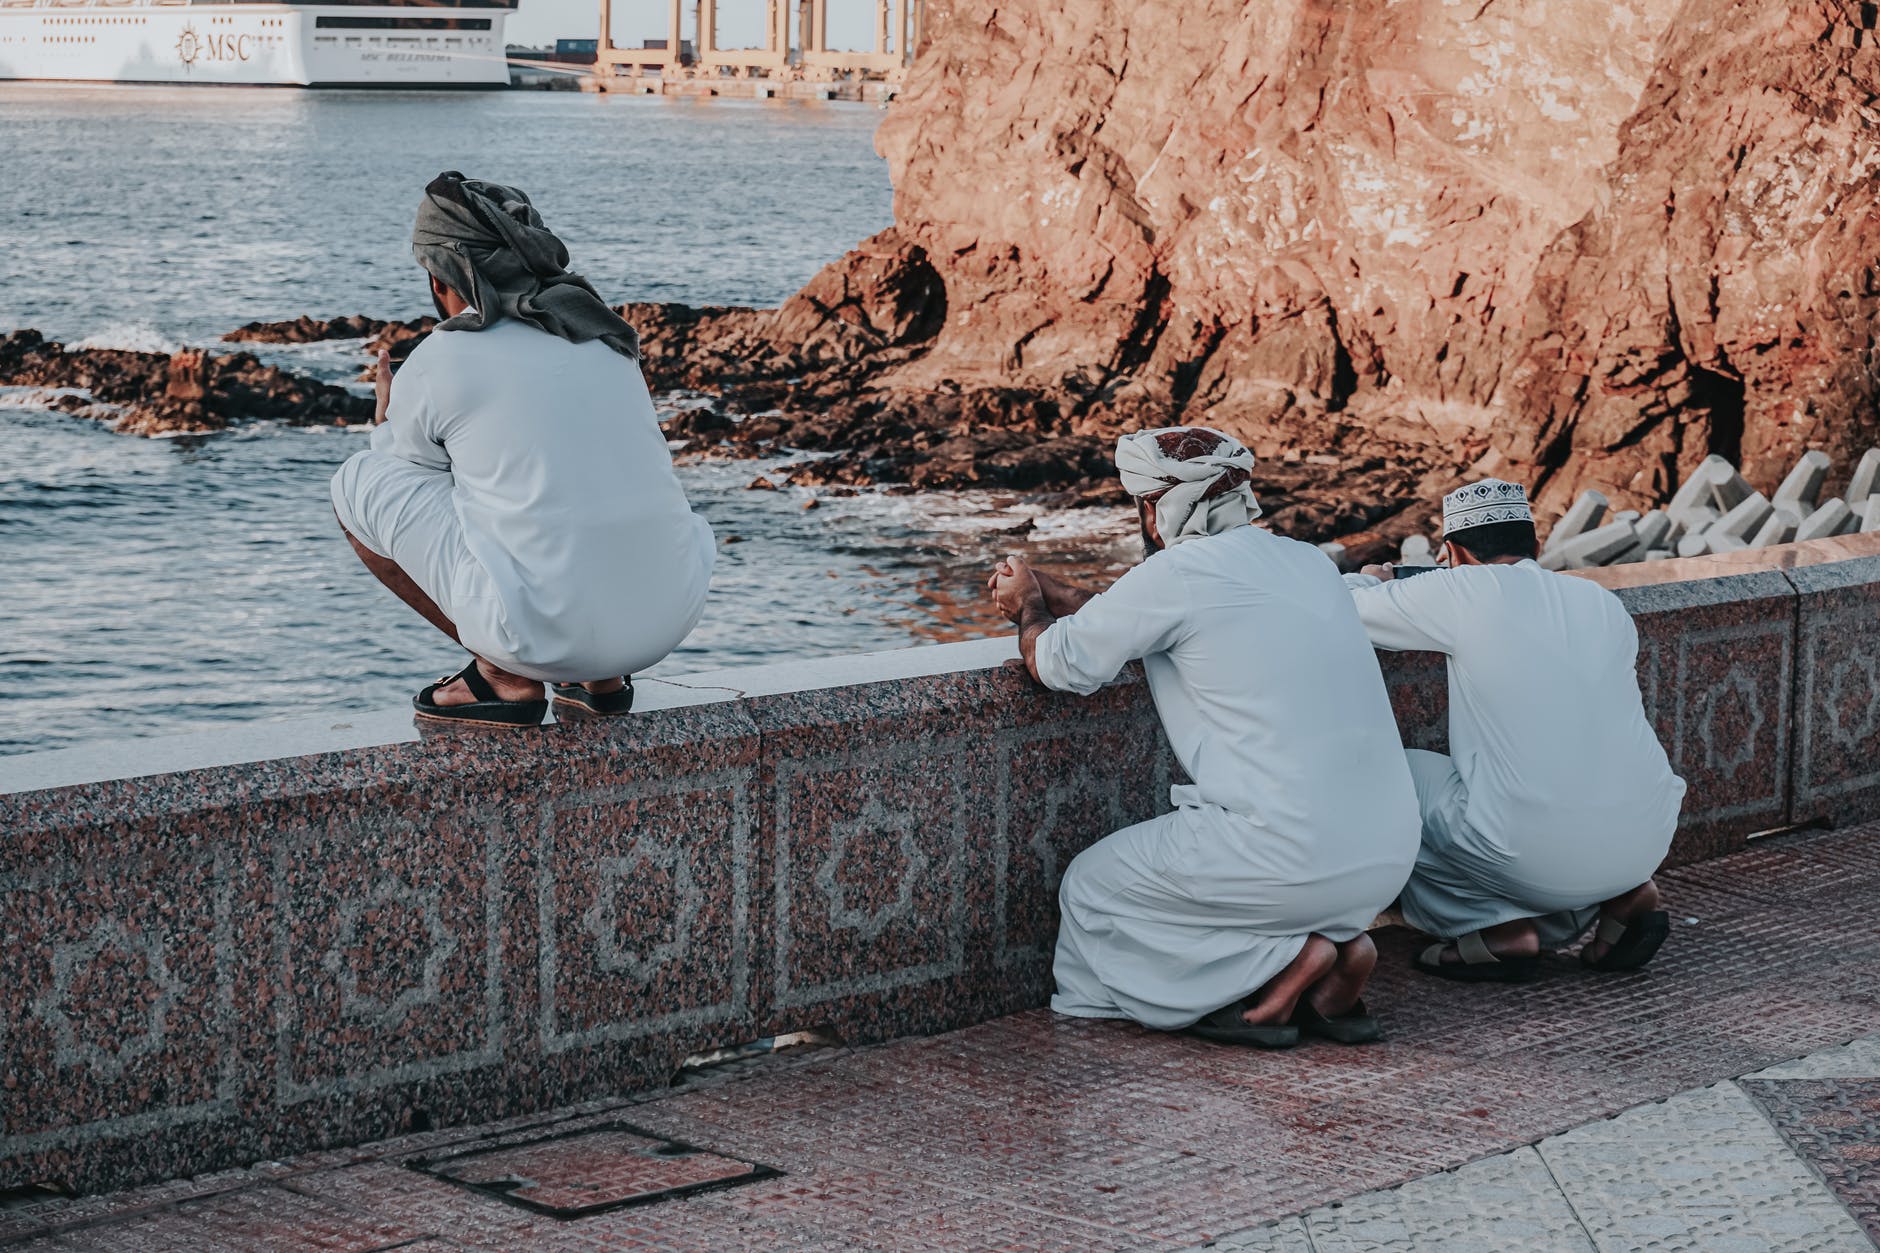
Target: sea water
{"type": "Point", "coordinates": [153, 586]}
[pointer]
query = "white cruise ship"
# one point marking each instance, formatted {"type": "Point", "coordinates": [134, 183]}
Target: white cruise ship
{"type": "Point", "coordinates": [328, 43]}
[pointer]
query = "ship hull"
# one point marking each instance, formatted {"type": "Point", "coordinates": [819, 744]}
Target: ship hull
{"type": "Point", "coordinates": [256, 45]}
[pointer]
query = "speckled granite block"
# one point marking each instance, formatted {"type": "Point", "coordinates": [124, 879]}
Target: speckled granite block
{"type": "Point", "coordinates": [1716, 671]}
{"type": "Point", "coordinates": [218, 966]}
{"type": "Point", "coordinates": [121, 1025]}
{"type": "Point", "coordinates": [1064, 787]}
{"type": "Point", "coordinates": [1837, 725]}
{"type": "Point", "coordinates": [1419, 696]}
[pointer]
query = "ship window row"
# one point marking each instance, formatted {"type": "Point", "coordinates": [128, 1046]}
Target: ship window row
{"type": "Point", "coordinates": [403, 23]}
{"type": "Point", "coordinates": [429, 41]}
{"type": "Point", "coordinates": [376, 41]}
{"type": "Point", "coordinates": [269, 23]}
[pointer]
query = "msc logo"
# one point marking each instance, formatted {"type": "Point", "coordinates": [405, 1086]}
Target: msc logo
{"type": "Point", "coordinates": [219, 46]}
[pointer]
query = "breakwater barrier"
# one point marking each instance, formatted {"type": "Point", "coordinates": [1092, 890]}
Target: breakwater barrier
{"type": "Point", "coordinates": [223, 948]}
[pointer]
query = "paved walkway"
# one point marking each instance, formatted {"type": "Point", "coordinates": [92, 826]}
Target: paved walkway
{"type": "Point", "coordinates": [1486, 1121]}
{"type": "Point", "coordinates": [1787, 1159]}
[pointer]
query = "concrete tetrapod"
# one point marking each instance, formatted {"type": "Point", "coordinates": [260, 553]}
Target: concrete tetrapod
{"type": "Point", "coordinates": [1595, 548]}
{"type": "Point", "coordinates": [1832, 518]}
{"type": "Point", "coordinates": [1743, 520]}
{"type": "Point", "coordinates": [1784, 521]}
{"type": "Point", "coordinates": [1728, 488]}
{"type": "Point", "coordinates": [1653, 530]}
{"type": "Point", "coordinates": [1696, 489]}
{"type": "Point", "coordinates": [1802, 488]}
{"type": "Point", "coordinates": [1866, 479]}
{"type": "Point", "coordinates": [1586, 514]}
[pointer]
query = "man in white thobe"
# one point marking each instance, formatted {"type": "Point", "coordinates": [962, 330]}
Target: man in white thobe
{"type": "Point", "coordinates": [518, 493]}
{"type": "Point", "coordinates": [1242, 914]}
{"type": "Point", "coordinates": [1556, 803]}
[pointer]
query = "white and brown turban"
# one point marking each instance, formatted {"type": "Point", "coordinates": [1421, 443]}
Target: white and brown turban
{"type": "Point", "coordinates": [1198, 479]}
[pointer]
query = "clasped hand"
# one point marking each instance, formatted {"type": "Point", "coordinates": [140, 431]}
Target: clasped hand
{"type": "Point", "coordinates": [1015, 587]}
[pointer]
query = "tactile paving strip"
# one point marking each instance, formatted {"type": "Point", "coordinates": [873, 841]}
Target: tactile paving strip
{"type": "Point", "coordinates": [578, 1173]}
{"type": "Point", "coordinates": [1701, 1171]}
{"type": "Point", "coordinates": [1835, 1124]}
{"type": "Point", "coordinates": [1497, 1203]}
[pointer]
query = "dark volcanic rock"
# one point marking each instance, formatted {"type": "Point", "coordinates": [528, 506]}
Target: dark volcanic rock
{"type": "Point", "coordinates": [151, 393]}
{"type": "Point", "coordinates": [306, 330]}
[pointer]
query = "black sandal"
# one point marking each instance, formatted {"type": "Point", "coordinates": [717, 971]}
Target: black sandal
{"type": "Point", "coordinates": [1479, 963]}
{"type": "Point", "coordinates": [488, 710]}
{"type": "Point", "coordinates": [1355, 1026]}
{"type": "Point", "coordinates": [578, 699]}
{"type": "Point", "coordinates": [1631, 944]}
{"type": "Point", "coordinates": [1226, 1026]}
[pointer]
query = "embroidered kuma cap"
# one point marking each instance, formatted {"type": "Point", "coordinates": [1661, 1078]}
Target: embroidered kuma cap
{"type": "Point", "coordinates": [1483, 503]}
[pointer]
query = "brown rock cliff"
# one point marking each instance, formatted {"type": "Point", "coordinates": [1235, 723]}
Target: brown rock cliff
{"type": "Point", "coordinates": [1583, 242]}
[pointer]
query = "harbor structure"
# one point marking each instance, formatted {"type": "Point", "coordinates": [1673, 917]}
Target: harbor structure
{"type": "Point", "coordinates": [795, 49]}
{"type": "Point", "coordinates": [333, 43]}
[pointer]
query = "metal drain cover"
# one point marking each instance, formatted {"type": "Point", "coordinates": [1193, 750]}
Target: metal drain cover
{"type": "Point", "coordinates": [572, 1174]}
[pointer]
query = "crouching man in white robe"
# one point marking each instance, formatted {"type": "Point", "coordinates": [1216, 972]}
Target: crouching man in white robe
{"type": "Point", "coordinates": [518, 493]}
{"type": "Point", "coordinates": [1556, 803]}
{"type": "Point", "coordinates": [1242, 914]}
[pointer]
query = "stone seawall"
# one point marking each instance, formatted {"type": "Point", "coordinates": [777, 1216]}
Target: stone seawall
{"type": "Point", "coordinates": [231, 947]}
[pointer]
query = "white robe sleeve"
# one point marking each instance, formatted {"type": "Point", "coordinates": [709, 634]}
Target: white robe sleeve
{"type": "Point", "coordinates": [1142, 613]}
{"type": "Point", "coordinates": [410, 430]}
{"type": "Point", "coordinates": [1409, 615]}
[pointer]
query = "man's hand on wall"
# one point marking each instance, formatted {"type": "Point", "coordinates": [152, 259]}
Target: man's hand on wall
{"type": "Point", "coordinates": [382, 386]}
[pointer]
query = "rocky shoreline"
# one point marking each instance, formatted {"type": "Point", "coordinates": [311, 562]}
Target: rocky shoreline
{"type": "Point", "coordinates": [190, 391]}
{"type": "Point", "coordinates": [801, 385]}
{"type": "Point", "coordinates": [757, 383]}
{"type": "Point", "coordinates": [804, 379]}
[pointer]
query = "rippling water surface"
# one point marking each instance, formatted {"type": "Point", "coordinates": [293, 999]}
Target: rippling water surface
{"type": "Point", "coordinates": [153, 586]}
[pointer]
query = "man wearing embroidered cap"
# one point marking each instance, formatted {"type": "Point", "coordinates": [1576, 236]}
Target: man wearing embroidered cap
{"type": "Point", "coordinates": [1242, 914]}
{"type": "Point", "coordinates": [1556, 803]}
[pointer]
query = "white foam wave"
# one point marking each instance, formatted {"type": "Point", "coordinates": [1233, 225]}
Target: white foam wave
{"type": "Point", "coordinates": [127, 337]}
{"type": "Point", "coordinates": [36, 397]}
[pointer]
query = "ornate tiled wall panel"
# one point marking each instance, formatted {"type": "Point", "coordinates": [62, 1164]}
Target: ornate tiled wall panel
{"type": "Point", "coordinates": [918, 829]}
{"type": "Point", "coordinates": [1837, 723]}
{"type": "Point", "coordinates": [1716, 670]}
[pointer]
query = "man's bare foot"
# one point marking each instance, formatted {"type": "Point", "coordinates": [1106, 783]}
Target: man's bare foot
{"type": "Point", "coordinates": [1642, 899]}
{"type": "Point", "coordinates": [1273, 1004]}
{"type": "Point", "coordinates": [508, 687]}
{"type": "Point", "coordinates": [1338, 992]}
{"type": "Point", "coordinates": [600, 687]}
{"type": "Point", "coordinates": [1508, 939]}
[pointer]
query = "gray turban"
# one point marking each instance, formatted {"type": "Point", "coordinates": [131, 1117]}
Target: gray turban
{"type": "Point", "coordinates": [487, 243]}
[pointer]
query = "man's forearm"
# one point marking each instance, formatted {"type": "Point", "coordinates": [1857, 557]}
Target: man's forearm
{"type": "Point", "coordinates": [1062, 599]}
{"type": "Point", "coordinates": [1034, 621]}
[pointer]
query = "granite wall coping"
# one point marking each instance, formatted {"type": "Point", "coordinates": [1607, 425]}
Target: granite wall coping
{"type": "Point", "coordinates": [233, 946]}
{"type": "Point", "coordinates": [1800, 553]}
